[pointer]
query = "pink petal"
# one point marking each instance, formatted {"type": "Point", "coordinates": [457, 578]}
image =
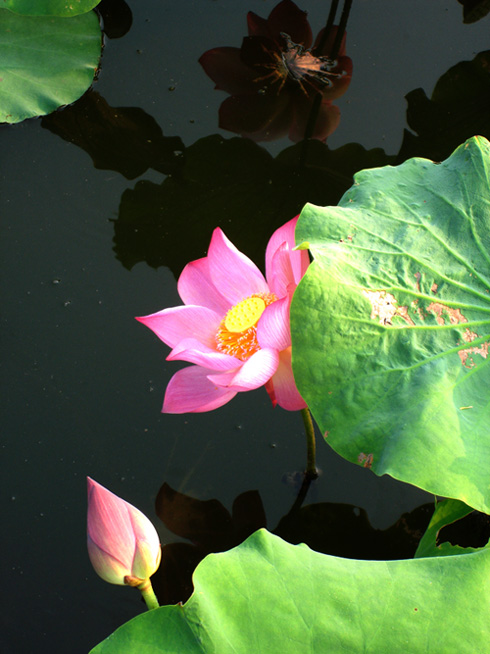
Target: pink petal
{"type": "Point", "coordinates": [286, 393]}
{"type": "Point", "coordinates": [195, 287]}
{"type": "Point", "coordinates": [273, 330]}
{"type": "Point", "coordinates": [119, 536]}
{"type": "Point", "coordinates": [190, 391]}
{"type": "Point", "coordinates": [105, 565]}
{"type": "Point", "coordinates": [109, 524]}
{"type": "Point", "coordinates": [281, 279]}
{"type": "Point", "coordinates": [174, 324]}
{"type": "Point", "coordinates": [255, 372]}
{"type": "Point", "coordinates": [234, 275]}
{"type": "Point", "coordinates": [276, 268]}
{"type": "Point", "coordinates": [227, 70]}
{"type": "Point", "coordinates": [193, 351]}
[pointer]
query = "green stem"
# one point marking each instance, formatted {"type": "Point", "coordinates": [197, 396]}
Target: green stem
{"type": "Point", "coordinates": [149, 595]}
{"type": "Point", "coordinates": [311, 471]}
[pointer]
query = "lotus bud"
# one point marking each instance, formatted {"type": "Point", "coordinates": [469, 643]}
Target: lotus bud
{"type": "Point", "coordinates": [123, 545]}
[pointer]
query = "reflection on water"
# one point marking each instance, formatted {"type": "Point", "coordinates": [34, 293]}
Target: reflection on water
{"type": "Point", "coordinates": [84, 384]}
{"type": "Point", "coordinates": [280, 82]}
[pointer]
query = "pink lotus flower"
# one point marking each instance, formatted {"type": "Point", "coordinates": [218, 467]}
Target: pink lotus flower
{"type": "Point", "coordinates": [234, 325]}
{"type": "Point", "coordinates": [123, 545]}
{"type": "Point", "coordinates": [275, 75]}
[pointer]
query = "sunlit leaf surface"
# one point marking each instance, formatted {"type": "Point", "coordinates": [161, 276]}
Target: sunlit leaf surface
{"type": "Point", "coordinates": [49, 7]}
{"type": "Point", "coordinates": [391, 324]}
{"type": "Point", "coordinates": [269, 596]}
{"type": "Point", "coordinates": [45, 62]}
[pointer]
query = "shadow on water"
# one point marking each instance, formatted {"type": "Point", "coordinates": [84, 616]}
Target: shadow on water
{"type": "Point", "coordinates": [85, 384]}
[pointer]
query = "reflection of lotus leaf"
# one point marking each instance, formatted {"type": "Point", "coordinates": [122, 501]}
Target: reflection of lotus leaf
{"type": "Point", "coordinates": [234, 183]}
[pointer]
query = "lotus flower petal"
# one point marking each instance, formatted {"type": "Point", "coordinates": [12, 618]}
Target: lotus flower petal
{"type": "Point", "coordinates": [195, 287]}
{"type": "Point", "coordinates": [284, 265]}
{"type": "Point", "coordinates": [286, 393]}
{"type": "Point", "coordinates": [121, 540]}
{"type": "Point", "coordinates": [234, 325]}
{"type": "Point", "coordinates": [173, 325]}
{"type": "Point", "coordinates": [190, 391]}
{"type": "Point", "coordinates": [232, 272]}
{"type": "Point", "coordinates": [255, 372]}
{"type": "Point", "coordinates": [273, 330]}
{"type": "Point", "coordinates": [192, 351]}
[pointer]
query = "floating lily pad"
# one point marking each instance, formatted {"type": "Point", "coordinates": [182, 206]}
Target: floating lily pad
{"type": "Point", "coordinates": [45, 62]}
{"type": "Point", "coordinates": [391, 323]}
{"type": "Point", "coordinates": [49, 7]}
{"type": "Point", "coordinates": [269, 596]}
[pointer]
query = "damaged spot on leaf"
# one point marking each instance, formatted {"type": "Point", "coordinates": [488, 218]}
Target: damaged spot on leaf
{"type": "Point", "coordinates": [385, 306]}
{"type": "Point", "coordinates": [434, 288]}
{"type": "Point", "coordinates": [417, 285]}
{"type": "Point", "coordinates": [442, 313]}
{"type": "Point", "coordinates": [365, 459]}
{"type": "Point", "coordinates": [441, 310]}
{"type": "Point", "coordinates": [465, 355]}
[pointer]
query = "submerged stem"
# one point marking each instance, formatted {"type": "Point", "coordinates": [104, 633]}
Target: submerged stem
{"type": "Point", "coordinates": [311, 471]}
{"type": "Point", "coordinates": [149, 595]}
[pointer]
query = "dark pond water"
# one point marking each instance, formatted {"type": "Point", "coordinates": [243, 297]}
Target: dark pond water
{"type": "Point", "coordinates": [86, 249]}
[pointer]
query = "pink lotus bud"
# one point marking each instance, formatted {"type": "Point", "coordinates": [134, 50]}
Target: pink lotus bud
{"type": "Point", "coordinates": [123, 545]}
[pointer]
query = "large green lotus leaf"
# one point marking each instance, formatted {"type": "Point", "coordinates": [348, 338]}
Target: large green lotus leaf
{"type": "Point", "coordinates": [446, 513]}
{"type": "Point", "coordinates": [45, 62]}
{"type": "Point", "coordinates": [391, 323]}
{"type": "Point", "coordinates": [267, 596]}
{"type": "Point", "coordinates": [49, 7]}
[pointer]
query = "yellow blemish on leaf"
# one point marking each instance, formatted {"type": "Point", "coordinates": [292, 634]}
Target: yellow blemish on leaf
{"type": "Point", "coordinates": [385, 307]}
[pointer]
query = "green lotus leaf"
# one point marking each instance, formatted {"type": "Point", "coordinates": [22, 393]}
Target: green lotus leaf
{"type": "Point", "coordinates": [446, 513]}
{"type": "Point", "coordinates": [45, 62]}
{"type": "Point", "coordinates": [49, 7]}
{"type": "Point", "coordinates": [269, 596]}
{"type": "Point", "coordinates": [391, 323]}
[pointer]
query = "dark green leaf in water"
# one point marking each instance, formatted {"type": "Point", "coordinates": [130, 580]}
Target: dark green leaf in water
{"type": "Point", "coordinates": [269, 596]}
{"type": "Point", "coordinates": [234, 184]}
{"type": "Point", "coordinates": [391, 323]}
{"type": "Point", "coordinates": [49, 7]}
{"type": "Point", "coordinates": [45, 62]}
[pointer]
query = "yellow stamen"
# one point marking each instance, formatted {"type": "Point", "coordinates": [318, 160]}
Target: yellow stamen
{"type": "Point", "coordinates": [245, 314]}
{"type": "Point", "coordinates": [237, 333]}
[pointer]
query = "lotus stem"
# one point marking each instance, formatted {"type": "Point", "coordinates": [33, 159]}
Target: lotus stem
{"type": "Point", "coordinates": [315, 107]}
{"type": "Point", "coordinates": [330, 20]}
{"type": "Point", "coordinates": [311, 470]}
{"type": "Point", "coordinates": [149, 595]}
